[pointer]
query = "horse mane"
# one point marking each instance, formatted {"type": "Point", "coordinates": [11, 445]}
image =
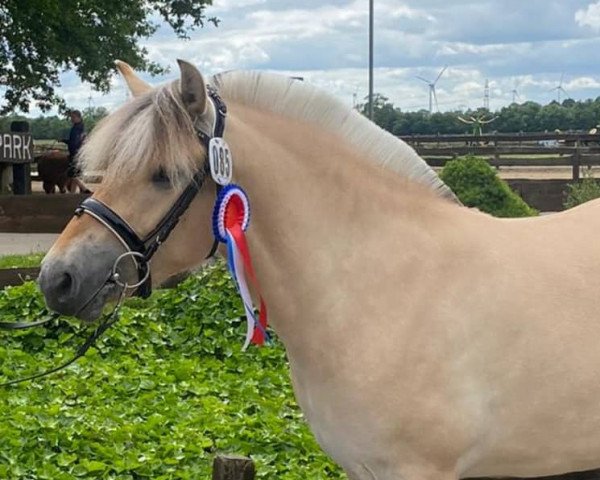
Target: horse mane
{"type": "Point", "coordinates": [154, 131]}
{"type": "Point", "coordinates": [302, 101]}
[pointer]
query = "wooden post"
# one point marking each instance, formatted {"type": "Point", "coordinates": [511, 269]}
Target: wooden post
{"type": "Point", "coordinates": [21, 172]}
{"type": "Point", "coordinates": [232, 467]}
{"type": "Point", "coordinates": [576, 159]}
{"type": "Point", "coordinates": [6, 178]}
{"type": "Point", "coordinates": [496, 155]}
{"type": "Point", "coordinates": [22, 178]}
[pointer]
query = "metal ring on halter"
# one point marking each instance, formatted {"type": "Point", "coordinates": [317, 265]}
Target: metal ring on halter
{"type": "Point", "coordinates": [115, 275]}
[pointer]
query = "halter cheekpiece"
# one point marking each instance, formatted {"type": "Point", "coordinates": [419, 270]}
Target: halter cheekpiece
{"type": "Point", "coordinates": [139, 249]}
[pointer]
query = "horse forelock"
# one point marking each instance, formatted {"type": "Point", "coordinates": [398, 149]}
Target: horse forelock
{"type": "Point", "coordinates": [148, 133]}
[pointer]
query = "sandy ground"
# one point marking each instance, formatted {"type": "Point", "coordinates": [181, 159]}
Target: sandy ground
{"type": "Point", "coordinates": [25, 243]}
{"type": "Point", "coordinates": [539, 173]}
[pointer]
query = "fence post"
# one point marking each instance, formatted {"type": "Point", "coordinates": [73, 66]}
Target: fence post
{"type": "Point", "coordinates": [21, 172]}
{"type": "Point", "coordinates": [6, 176]}
{"type": "Point", "coordinates": [233, 467]}
{"type": "Point", "coordinates": [576, 159]}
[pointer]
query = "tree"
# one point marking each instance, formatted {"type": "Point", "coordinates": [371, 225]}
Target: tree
{"type": "Point", "coordinates": [92, 115]}
{"type": "Point", "coordinates": [49, 128]}
{"type": "Point", "coordinates": [524, 117]}
{"type": "Point", "coordinates": [384, 112]}
{"type": "Point", "coordinates": [39, 39]}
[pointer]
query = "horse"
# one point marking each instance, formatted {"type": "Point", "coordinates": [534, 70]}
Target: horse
{"type": "Point", "coordinates": [52, 168]}
{"type": "Point", "coordinates": [426, 340]}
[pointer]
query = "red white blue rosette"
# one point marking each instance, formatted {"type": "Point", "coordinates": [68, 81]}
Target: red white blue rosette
{"type": "Point", "coordinates": [232, 207]}
{"type": "Point", "coordinates": [231, 216]}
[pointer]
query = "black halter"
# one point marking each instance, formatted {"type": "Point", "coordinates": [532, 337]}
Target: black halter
{"type": "Point", "coordinates": [142, 249]}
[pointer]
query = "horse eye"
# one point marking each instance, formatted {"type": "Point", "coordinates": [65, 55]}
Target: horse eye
{"type": "Point", "coordinates": [160, 177]}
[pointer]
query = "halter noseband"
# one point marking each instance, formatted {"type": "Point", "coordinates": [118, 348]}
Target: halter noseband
{"type": "Point", "coordinates": [139, 249]}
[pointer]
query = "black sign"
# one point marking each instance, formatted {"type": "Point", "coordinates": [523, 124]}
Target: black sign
{"type": "Point", "coordinates": [16, 147]}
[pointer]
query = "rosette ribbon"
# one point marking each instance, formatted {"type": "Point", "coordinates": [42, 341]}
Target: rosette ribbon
{"type": "Point", "coordinates": [231, 217]}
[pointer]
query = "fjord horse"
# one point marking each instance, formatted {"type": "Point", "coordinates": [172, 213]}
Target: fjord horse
{"type": "Point", "coordinates": [427, 341]}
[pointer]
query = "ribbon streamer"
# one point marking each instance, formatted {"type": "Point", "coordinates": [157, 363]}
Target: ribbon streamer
{"type": "Point", "coordinates": [230, 220]}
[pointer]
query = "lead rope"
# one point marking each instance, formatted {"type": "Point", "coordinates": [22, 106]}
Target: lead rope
{"type": "Point", "coordinates": [24, 325]}
{"type": "Point", "coordinates": [104, 325]}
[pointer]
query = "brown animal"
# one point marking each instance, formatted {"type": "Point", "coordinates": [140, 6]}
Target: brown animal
{"type": "Point", "coordinates": [52, 168]}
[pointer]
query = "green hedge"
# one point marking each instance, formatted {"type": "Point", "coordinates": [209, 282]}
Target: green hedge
{"type": "Point", "coordinates": [166, 389]}
{"type": "Point", "coordinates": [581, 192]}
{"type": "Point", "coordinates": [477, 184]}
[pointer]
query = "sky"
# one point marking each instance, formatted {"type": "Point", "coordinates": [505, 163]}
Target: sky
{"type": "Point", "coordinates": [521, 47]}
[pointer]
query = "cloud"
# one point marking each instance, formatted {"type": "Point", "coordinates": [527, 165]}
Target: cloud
{"type": "Point", "coordinates": [583, 83]}
{"type": "Point", "coordinates": [589, 17]}
{"type": "Point", "coordinates": [220, 6]}
{"type": "Point", "coordinates": [306, 23]}
{"type": "Point", "coordinates": [509, 42]}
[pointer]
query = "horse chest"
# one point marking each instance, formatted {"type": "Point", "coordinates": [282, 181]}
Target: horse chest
{"type": "Point", "coordinates": [336, 422]}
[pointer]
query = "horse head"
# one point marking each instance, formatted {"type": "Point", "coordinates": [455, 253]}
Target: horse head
{"type": "Point", "coordinates": [149, 153]}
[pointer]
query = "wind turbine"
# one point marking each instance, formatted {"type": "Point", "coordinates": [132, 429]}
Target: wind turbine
{"type": "Point", "coordinates": [559, 88]}
{"type": "Point", "coordinates": [432, 94]}
{"type": "Point", "coordinates": [90, 101]}
{"type": "Point", "coordinates": [355, 98]}
{"type": "Point", "coordinates": [515, 93]}
{"type": "Point", "coordinates": [486, 95]}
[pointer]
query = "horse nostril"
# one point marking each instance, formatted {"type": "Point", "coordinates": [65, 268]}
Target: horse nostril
{"type": "Point", "coordinates": [65, 285]}
{"type": "Point", "coordinates": [59, 284]}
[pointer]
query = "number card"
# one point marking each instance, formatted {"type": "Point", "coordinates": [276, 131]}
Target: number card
{"type": "Point", "coordinates": [221, 162]}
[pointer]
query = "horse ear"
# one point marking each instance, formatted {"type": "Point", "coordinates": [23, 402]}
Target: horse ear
{"type": "Point", "coordinates": [136, 85]}
{"type": "Point", "coordinates": [193, 89]}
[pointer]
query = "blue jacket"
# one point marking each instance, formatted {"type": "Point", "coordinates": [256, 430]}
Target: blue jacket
{"type": "Point", "coordinates": [76, 136]}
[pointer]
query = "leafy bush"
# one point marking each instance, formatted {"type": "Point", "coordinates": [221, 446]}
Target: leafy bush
{"type": "Point", "coordinates": [584, 191]}
{"type": "Point", "coordinates": [166, 389]}
{"type": "Point", "coordinates": [476, 184]}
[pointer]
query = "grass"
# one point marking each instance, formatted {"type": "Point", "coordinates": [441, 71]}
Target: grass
{"type": "Point", "coordinates": [23, 261]}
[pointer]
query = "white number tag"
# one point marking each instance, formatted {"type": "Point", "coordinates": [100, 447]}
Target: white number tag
{"type": "Point", "coordinates": [221, 162]}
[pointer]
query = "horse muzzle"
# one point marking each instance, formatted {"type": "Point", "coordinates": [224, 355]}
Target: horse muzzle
{"type": "Point", "coordinates": [83, 284]}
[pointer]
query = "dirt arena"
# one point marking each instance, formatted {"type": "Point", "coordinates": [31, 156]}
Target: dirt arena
{"type": "Point", "coordinates": [541, 173]}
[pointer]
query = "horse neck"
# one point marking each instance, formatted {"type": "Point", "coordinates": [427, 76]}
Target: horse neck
{"type": "Point", "coordinates": [315, 207]}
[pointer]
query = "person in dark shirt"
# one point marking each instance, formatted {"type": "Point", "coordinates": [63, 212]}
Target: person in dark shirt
{"type": "Point", "coordinates": [74, 142]}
